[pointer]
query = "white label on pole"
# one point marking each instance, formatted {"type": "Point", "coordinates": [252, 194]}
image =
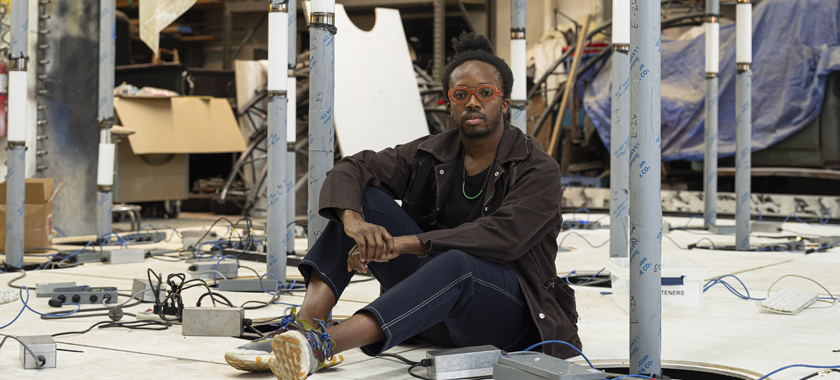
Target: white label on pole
{"type": "Point", "coordinates": [4, 83]}
{"type": "Point", "coordinates": [688, 295]}
{"type": "Point", "coordinates": [712, 47]}
{"type": "Point", "coordinates": [743, 33]}
{"type": "Point", "coordinates": [291, 113]}
{"type": "Point", "coordinates": [621, 22]}
{"type": "Point", "coordinates": [278, 51]}
{"type": "Point", "coordinates": [105, 169]}
{"type": "Point", "coordinates": [17, 106]}
{"type": "Point", "coordinates": [517, 66]}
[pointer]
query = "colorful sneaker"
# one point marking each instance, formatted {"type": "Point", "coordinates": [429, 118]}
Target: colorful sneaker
{"type": "Point", "coordinates": [255, 355]}
{"type": "Point", "coordinates": [300, 353]}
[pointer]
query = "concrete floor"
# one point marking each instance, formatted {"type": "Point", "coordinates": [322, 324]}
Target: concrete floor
{"type": "Point", "coordinates": [727, 331]}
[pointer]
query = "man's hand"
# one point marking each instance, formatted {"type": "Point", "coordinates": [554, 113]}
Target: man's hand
{"type": "Point", "coordinates": [409, 244]}
{"type": "Point", "coordinates": [354, 262]}
{"type": "Point", "coordinates": [373, 242]}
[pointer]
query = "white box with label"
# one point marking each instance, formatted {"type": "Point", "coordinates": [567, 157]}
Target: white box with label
{"type": "Point", "coordinates": [682, 285]}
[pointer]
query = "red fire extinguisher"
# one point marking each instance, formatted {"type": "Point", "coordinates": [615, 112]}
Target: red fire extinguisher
{"type": "Point", "coordinates": [4, 97]}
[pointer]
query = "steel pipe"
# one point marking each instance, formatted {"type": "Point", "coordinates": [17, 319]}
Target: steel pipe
{"type": "Point", "coordinates": [743, 122]}
{"type": "Point", "coordinates": [321, 108]}
{"type": "Point", "coordinates": [518, 46]}
{"type": "Point", "coordinates": [16, 151]}
{"type": "Point", "coordinates": [278, 30]}
{"type": "Point", "coordinates": [620, 130]}
{"type": "Point", "coordinates": [291, 130]}
{"type": "Point", "coordinates": [645, 189]}
{"type": "Point", "coordinates": [105, 116]}
{"type": "Point", "coordinates": [710, 160]}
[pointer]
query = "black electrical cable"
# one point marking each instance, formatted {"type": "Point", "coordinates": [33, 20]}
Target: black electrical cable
{"type": "Point", "coordinates": [257, 331]}
{"type": "Point", "coordinates": [400, 358]}
{"type": "Point", "coordinates": [67, 350]}
{"type": "Point", "coordinates": [815, 374]}
{"type": "Point", "coordinates": [413, 366]}
{"type": "Point", "coordinates": [262, 305]}
{"type": "Point", "coordinates": [12, 281]}
{"type": "Point", "coordinates": [84, 316]}
{"type": "Point", "coordinates": [177, 303]}
{"type": "Point", "coordinates": [232, 227]}
{"type": "Point", "coordinates": [41, 359]}
{"type": "Point", "coordinates": [251, 269]}
{"type": "Point", "coordinates": [212, 296]}
{"type": "Point", "coordinates": [131, 325]}
{"type": "Point", "coordinates": [268, 321]}
{"type": "Point", "coordinates": [250, 225]}
{"type": "Point", "coordinates": [161, 258]}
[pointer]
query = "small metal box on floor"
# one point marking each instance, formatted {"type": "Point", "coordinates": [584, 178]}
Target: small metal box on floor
{"type": "Point", "coordinates": [41, 345]}
{"type": "Point", "coordinates": [457, 363]}
{"type": "Point", "coordinates": [539, 366]}
{"type": "Point", "coordinates": [213, 321]}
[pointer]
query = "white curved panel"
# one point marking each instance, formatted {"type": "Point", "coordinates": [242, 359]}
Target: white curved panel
{"type": "Point", "coordinates": [377, 102]}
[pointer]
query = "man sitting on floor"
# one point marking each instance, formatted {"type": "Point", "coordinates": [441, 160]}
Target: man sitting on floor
{"type": "Point", "coordinates": [460, 265]}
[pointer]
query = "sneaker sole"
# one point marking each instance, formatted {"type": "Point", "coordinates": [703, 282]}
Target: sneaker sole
{"type": "Point", "coordinates": [249, 363]}
{"type": "Point", "coordinates": [291, 356]}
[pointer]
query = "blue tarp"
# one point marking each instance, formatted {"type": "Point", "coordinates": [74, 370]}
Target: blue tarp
{"type": "Point", "coordinates": [796, 44]}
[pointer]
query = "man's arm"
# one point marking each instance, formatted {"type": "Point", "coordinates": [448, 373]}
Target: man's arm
{"type": "Point", "coordinates": [388, 170]}
{"type": "Point", "coordinates": [373, 242]}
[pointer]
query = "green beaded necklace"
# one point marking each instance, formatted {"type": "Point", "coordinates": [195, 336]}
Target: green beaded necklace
{"type": "Point", "coordinates": [464, 178]}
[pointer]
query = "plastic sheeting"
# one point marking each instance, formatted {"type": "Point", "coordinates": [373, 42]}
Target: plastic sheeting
{"type": "Point", "coordinates": [796, 44]}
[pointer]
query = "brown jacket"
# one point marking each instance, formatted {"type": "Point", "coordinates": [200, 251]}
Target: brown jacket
{"type": "Point", "coordinates": [518, 226]}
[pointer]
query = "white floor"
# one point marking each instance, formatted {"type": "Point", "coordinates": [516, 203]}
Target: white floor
{"type": "Point", "coordinates": [727, 331]}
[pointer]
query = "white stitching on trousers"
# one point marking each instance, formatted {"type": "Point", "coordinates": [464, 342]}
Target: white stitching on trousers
{"type": "Point", "coordinates": [323, 275]}
{"type": "Point", "coordinates": [500, 290]}
{"type": "Point", "coordinates": [428, 300]}
{"type": "Point", "coordinates": [387, 333]}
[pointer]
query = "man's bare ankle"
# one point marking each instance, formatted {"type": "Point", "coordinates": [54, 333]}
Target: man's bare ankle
{"type": "Point", "coordinates": [308, 319]}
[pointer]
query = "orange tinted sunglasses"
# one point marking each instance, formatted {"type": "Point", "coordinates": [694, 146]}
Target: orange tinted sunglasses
{"type": "Point", "coordinates": [484, 93]}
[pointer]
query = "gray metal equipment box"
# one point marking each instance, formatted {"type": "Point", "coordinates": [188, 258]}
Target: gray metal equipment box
{"type": "Point", "coordinates": [539, 366]}
{"type": "Point", "coordinates": [46, 290]}
{"type": "Point", "coordinates": [41, 345]}
{"type": "Point", "coordinates": [213, 321]}
{"type": "Point", "coordinates": [456, 363]}
{"type": "Point", "coordinates": [143, 284]}
{"type": "Point", "coordinates": [124, 256]}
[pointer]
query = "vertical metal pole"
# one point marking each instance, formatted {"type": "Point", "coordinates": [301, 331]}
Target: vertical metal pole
{"type": "Point", "coordinates": [321, 107]}
{"type": "Point", "coordinates": [620, 130]}
{"type": "Point", "coordinates": [710, 161]}
{"type": "Point", "coordinates": [105, 116]}
{"type": "Point", "coordinates": [439, 40]}
{"type": "Point", "coordinates": [518, 97]}
{"type": "Point", "coordinates": [15, 181]}
{"type": "Point", "coordinates": [291, 131]}
{"type": "Point", "coordinates": [743, 122]}
{"type": "Point", "coordinates": [277, 86]}
{"type": "Point", "coordinates": [645, 189]}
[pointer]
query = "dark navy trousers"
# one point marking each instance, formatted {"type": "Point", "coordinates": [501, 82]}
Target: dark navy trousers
{"type": "Point", "coordinates": [452, 299]}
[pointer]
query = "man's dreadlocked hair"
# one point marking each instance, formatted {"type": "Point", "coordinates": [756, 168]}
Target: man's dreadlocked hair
{"type": "Point", "coordinates": [475, 47]}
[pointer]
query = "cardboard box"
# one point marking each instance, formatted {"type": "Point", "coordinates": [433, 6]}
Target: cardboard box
{"type": "Point", "coordinates": [37, 214]}
{"type": "Point", "coordinates": [153, 165]}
